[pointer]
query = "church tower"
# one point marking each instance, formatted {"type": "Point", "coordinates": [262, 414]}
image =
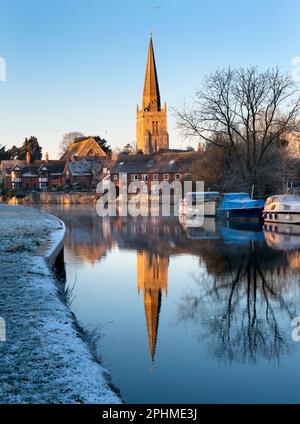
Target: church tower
{"type": "Point", "coordinates": [151, 120]}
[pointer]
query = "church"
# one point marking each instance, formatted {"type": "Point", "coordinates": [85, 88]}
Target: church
{"type": "Point", "coordinates": [154, 161]}
{"type": "Point", "coordinates": [151, 120]}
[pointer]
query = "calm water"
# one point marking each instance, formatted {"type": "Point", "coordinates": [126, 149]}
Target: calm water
{"type": "Point", "coordinates": [199, 315]}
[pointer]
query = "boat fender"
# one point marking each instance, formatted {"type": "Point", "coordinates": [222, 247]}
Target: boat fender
{"type": "Point", "coordinates": [270, 216]}
{"type": "Point", "coordinates": [276, 215]}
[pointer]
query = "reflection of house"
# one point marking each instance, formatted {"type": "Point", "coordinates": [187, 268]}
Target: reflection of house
{"type": "Point", "coordinates": [152, 272]}
{"type": "Point", "coordinates": [27, 175]}
{"type": "Point", "coordinates": [86, 148]}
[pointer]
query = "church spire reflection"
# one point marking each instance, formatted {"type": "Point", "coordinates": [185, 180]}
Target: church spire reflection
{"type": "Point", "coordinates": [152, 274]}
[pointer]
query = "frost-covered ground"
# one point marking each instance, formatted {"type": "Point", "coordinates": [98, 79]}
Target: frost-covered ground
{"type": "Point", "coordinates": [44, 359]}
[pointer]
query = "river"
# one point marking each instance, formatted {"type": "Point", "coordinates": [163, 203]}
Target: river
{"type": "Point", "coordinates": [187, 315]}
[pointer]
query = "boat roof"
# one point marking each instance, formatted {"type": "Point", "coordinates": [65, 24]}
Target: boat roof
{"type": "Point", "coordinates": [239, 200]}
{"type": "Point", "coordinates": [284, 198]}
{"type": "Point", "coordinates": [236, 194]}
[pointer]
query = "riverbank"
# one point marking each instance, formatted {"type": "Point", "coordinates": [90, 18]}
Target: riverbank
{"type": "Point", "coordinates": [44, 358]}
{"type": "Point", "coordinates": [54, 198]}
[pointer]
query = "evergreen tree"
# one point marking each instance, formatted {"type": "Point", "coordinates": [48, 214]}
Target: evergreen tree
{"type": "Point", "coordinates": [102, 143]}
{"type": "Point", "coordinates": [32, 146]}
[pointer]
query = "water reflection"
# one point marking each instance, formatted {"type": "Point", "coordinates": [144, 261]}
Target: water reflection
{"type": "Point", "coordinates": [243, 296]}
{"type": "Point", "coordinates": [152, 272]}
{"type": "Point", "coordinates": [244, 309]}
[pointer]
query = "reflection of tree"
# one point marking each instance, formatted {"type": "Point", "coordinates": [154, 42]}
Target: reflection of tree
{"type": "Point", "coordinates": [242, 313]}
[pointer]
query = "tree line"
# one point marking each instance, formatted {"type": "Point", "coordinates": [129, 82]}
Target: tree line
{"type": "Point", "coordinates": [30, 145]}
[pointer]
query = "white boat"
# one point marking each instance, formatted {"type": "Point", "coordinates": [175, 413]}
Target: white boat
{"type": "Point", "coordinates": [199, 203]}
{"type": "Point", "coordinates": [283, 208]}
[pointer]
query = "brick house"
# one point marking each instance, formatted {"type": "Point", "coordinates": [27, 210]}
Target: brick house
{"type": "Point", "coordinates": [38, 175]}
{"type": "Point", "coordinates": [153, 168]}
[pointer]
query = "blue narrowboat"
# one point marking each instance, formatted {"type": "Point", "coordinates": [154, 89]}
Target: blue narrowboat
{"type": "Point", "coordinates": [239, 206]}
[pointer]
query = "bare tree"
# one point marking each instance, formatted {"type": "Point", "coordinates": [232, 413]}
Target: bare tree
{"type": "Point", "coordinates": [67, 139]}
{"type": "Point", "coordinates": [245, 107]}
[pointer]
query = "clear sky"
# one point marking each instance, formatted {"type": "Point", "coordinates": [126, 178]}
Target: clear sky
{"type": "Point", "coordinates": [80, 64]}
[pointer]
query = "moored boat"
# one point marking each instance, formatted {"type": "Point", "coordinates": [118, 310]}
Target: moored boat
{"type": "Point", "coordinates": [199, 203]}
{"type": "Point", "coordinates": [282, 208]}
{"type": "Point", "coordinates": [239, 206]}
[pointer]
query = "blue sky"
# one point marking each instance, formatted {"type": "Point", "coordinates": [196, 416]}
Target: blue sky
{"type": "Point", "coordinates": [80, 64]}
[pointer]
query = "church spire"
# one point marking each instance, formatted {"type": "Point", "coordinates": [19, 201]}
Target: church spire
{"type": "Point", "coordinates": [151, 96]}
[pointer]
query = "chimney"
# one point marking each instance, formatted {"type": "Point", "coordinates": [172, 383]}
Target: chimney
{"type": "Point", "coordinates": [28, 158]}
{"type": "Point", "coordinates": [46, 157]}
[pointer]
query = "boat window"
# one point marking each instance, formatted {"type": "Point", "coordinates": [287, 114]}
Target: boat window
{"type": "Point", "coordinates": [291, 198]}
{"type": "Point", "coordinates": [211, 196]}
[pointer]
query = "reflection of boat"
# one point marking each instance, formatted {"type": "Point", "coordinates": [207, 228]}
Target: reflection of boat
{"type": "Point", "coordinates": [191, 221]}
{"type": "Point", "coordinates": [206, 231]}
{"type": "Point", "coordinates": [199, 203]}
{"type": "Point", "coordinates": [284, 208]}
{"type": "Point", "coordinates": [240, 232]}
{"type": "Point", "coordinates": [239, 206]}
{"type": "Point", "coordinates": [282, 236]}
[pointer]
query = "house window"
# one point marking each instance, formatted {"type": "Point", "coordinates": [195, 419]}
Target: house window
{"type": "Point", "coordinates": [145, 189]}
{"type": "Point", "coordinates": [187, 176]}
{"type": "Point", "coordinates": [166, 177]}
{"type": "Point", "coordinates": [133, 189]}
{"type": "Point", "coordinates": [104, 170]}
{"type": "Point", "coordinates": [177, 177]}
{"type": "Point", "coordinates": [115, 177]}
{"type": "Point", "coordinates": [124, 177]}
{"type": "Point", "coordinates": [145, 177]}
{"type": "Point", "coordinates": [134, 177]}
{"type": "Point", "coordinates": [16, 184]}
{"type": "Point", "coordinates": [155, 177]}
